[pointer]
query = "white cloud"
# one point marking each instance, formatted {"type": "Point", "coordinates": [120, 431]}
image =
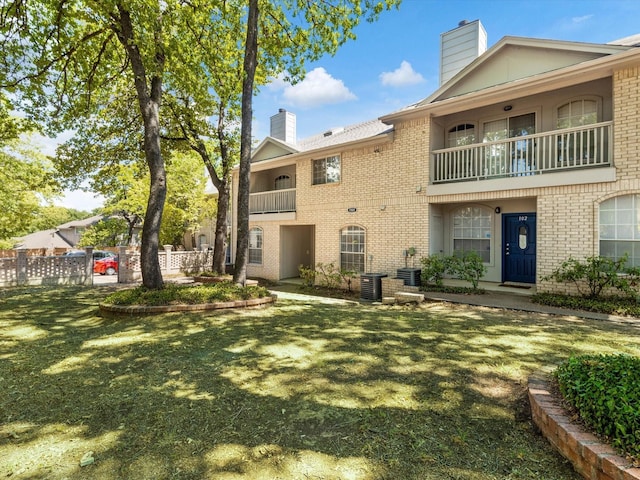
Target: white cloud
{"type": "Point", "coordinates": [401, 76]}
{"type": "Point", "coordinates": [317, 88]}
{"type": "Point", "coordinates": [582, 19]}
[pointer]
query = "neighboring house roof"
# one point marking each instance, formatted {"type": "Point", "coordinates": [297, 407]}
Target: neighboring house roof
{"type": "Point", "coordinates": [44, 239]}
{"type": "Point", "coordinates": [57, 237]}
{"type": "Point", "coordinates": [85, 222]}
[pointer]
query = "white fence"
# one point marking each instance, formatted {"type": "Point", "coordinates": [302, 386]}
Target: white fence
{"type": "Point", "coordinates": [26, 269]}
{"type": "Point", "coordinates": [171, 263]}
{"type": "Point", "coordinates": [48, 270]}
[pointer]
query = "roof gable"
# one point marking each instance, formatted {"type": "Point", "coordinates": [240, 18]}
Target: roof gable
{"type": "Point", "coordinates": [515, 58]}
{"type": "Point", "coordinates": [271, 148]}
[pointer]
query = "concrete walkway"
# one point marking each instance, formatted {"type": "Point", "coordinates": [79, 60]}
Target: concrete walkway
{"type": "Point", "coordinates": [495, 296]}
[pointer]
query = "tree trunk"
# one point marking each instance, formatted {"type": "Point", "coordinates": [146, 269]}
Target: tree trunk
{"type": "Point", "coordinates": [250, 59]}
{"type": "Point", "coordinates": [220, 241]}
{"type": "Point", "coordinates": [149, 97]}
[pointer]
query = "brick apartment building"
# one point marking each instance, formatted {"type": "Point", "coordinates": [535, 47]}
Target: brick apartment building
{"type": "Point", "coordinates": [528, 153]}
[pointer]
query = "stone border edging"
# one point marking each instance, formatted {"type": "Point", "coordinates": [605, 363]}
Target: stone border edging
{"type": "Point", "coordinates": [589, 456]}
{"type": "Point", "coordinates": [252, 302]}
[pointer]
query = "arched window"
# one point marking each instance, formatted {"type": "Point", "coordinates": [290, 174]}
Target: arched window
{"type": "Point", "coordinates": [620, 228]}
{"type": "Point", "coordinates": [352, 248]}
{"type": "Point", "coordinates": [472, 232]}
{"type": "Point", "coordinates": [282, 182]}
{"type": "Point", "coordinates": [577, 113]}
{"type": "Point", "coordinates": [577, 147]}
{"type": "Point", "coordinates": [463, 134]}
{"type": "Point", "coordinates": [255, 246]}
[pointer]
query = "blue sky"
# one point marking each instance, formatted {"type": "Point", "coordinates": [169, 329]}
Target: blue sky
{"type": "Point", "coordinates": [395, 61]}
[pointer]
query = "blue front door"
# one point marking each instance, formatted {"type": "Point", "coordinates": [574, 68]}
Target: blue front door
{"type": "Point", "coordinates": [519, 247]}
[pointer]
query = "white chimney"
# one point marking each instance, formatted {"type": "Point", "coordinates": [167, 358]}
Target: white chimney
{"type": "Point", "coordinates": [459, 47]}
{"type": "Point", "coordinates": [283, 126]}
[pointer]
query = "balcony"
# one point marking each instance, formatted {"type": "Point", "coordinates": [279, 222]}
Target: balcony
{"type": "Point", "coordinates": [557, 151]}
{"type": "Point", "coordinates": [275, 201]}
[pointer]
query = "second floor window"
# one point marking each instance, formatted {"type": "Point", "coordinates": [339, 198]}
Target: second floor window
{"type": "Point", "coordinates": [463, 134]}
{"type": "Point", "coordinates": [326, 170]}
{"type": "Point", "coordinates": [578, 113]}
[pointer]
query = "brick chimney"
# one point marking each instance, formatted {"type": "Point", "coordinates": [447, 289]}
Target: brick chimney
{"type": "Point", "coordinates": [459, 47]}
{"type": "Point", "coordinates": [283, 126]}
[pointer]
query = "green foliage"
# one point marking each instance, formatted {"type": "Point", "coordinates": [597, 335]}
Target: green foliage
{"type": "Point", "coordinates": [50, 216]}
{"type": "Point", "coordinates": [594, 274]}
{"type": "Point", "coordinates": [605, 391]}
{"type": "Point", "coordinates": [623, 306]}
{"type": "Point", "coordinates": [308, 275]}
{"type": "Point", "coordinates": [327, 275]}
{"type": "Point", "coordinates": [25, 180]}
{"type": "Point", "coordinates": [109, 232]}
{"type": "Point", "coordinates": [185, 294]}
{"type": "Point", "coordinates": [468, 267]}
{"type": "Point", "coordinates": [434, 268]}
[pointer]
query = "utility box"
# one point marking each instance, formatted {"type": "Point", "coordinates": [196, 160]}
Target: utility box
{"type": "Point", "coordinates": [410, 276]}
{"type": "Point", "coordinates": [371, 286]}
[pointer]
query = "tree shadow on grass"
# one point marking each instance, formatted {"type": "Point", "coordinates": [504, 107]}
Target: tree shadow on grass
{"type": "Point", "coordinates": [292, 391]}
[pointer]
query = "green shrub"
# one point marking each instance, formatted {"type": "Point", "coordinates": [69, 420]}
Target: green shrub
{"type": "Point", "coordinates": [308, 275]}
{"type": "Point", "coordinates": [624, 306]}
{"type": "Point", "coordinates": [605, 391]}
{"type": "Point", "coordinates": [327, 275]}
{"type": "Point", "coordinates": [468, 267]}
{"type": "Point", "coordinates": [594, 274]}
{"type": "Point", "coordinates": [185, 294]}
{"type": "Point", "coordinates": [433, 270]}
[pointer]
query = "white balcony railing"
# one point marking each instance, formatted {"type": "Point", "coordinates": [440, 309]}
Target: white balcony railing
{"type": "Point", "coordinates": [573, 148]}
{"type": "Point", "coordinates": [275, 201]}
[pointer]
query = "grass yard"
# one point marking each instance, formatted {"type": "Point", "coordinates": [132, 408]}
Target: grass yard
{"type": "Point", "coordinates": [293, 391]}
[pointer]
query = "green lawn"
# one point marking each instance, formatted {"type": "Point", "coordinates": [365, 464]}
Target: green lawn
{"type": "Point", "coordinates": [292, 391]}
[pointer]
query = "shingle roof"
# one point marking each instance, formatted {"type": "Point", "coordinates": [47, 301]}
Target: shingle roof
{"type": "Point", "coordinates": [341, 135]}
{"type": "Point", "coordinates": [44, 239]}
{"type": "Point", "coordinates": [85, 222]}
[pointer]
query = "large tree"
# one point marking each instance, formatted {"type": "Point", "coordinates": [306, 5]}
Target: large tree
{"type": "Point", "coordinates": [281, 37]}
{"type": "Point", "coordinates": [67, 63]}
{"type": "Point", "coordinates": [81, 65]}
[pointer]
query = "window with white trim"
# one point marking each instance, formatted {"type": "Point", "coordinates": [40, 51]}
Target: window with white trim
{"type": "Point", "coordinates": [620, 228]}
{"type": "Point", "coordinates": [460, 135]}
{"type": "Point", "coordinates": [472, 232]}
{"type": "Point", "coordinates": [326, 170]}
{"type": "Point", "coordinates": [352, 248]}
{"type": "Point", "coordinates": [577, 113]}
{"type": "Point", "coordinates": [282, 182]}
{"type": "Point", "coordinates": [577, 146]}
{"type": "Point", "coordinates": [255, 246]}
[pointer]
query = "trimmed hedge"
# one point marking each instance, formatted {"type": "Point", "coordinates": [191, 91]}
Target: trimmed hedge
{"type": "Point", "coordinates": [185, 294]}
{"type": "Point", "coordinates": [605, 392]}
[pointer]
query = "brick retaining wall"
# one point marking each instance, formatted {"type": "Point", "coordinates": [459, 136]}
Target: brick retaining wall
{"type": "Point", "coordinates": [590, 457]}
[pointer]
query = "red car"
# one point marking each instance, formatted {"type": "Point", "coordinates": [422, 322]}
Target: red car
{"type": "Point", "coordinates": [107, 265]}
